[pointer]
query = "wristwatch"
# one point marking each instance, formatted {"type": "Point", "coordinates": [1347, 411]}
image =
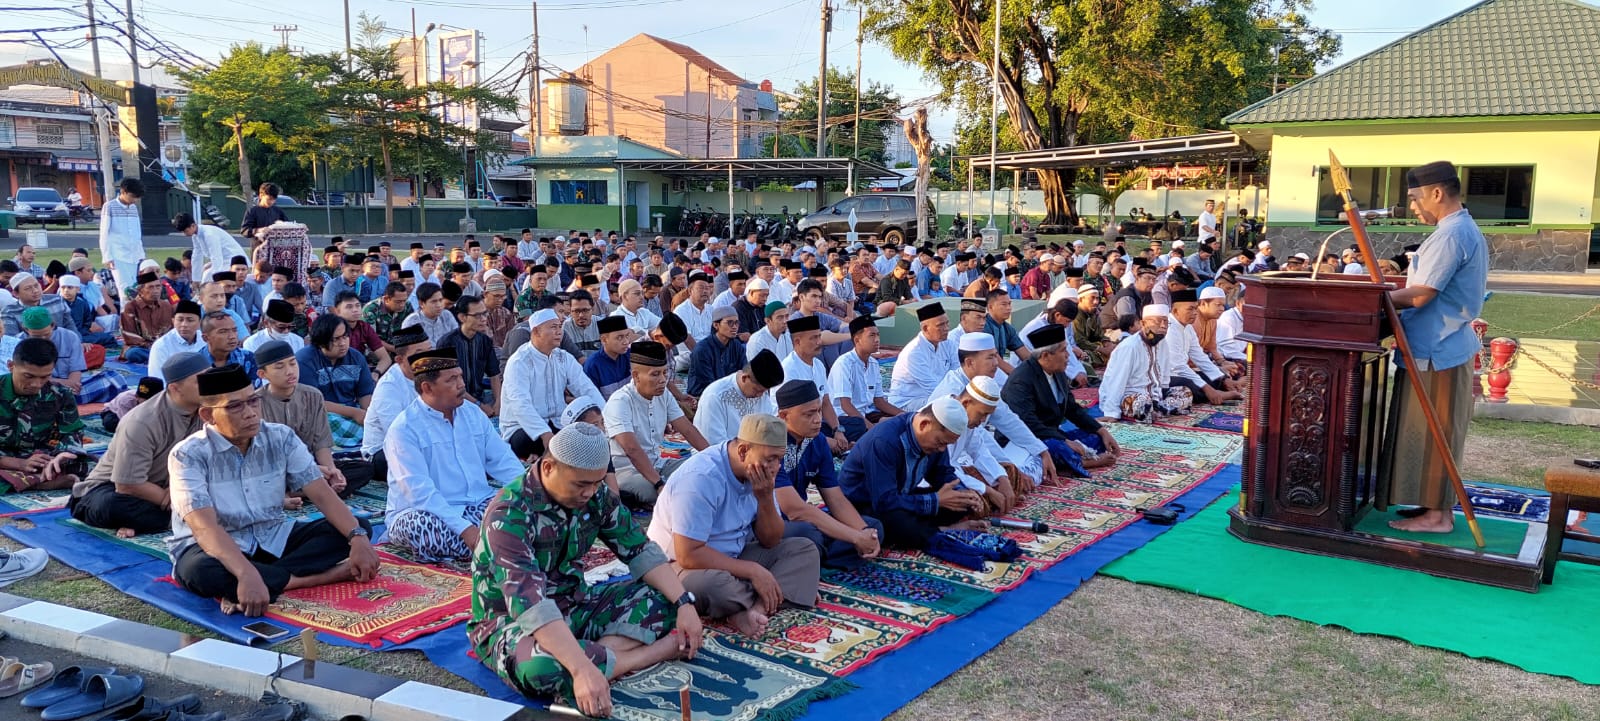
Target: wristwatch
{"type": "Point", "coordinates": [357, 531]}
{"type": "Point", "coordinates": [687, 599]}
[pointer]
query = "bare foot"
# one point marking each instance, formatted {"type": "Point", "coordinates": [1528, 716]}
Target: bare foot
{"type": "Point", "coordinates": [1099, 460]}
{"type": "Point", "coordinates": [975, 524]}
{"type": "Point", "coordinates": [229, 608]}
{"type": "Point", "coordinates": [750, 622]}
{"type": "Point", "coordinates": [125, 533]}
{"type": "Point", "coordinates": [1432, 521]}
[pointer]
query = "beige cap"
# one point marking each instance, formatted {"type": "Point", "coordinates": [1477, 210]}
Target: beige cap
{"type": "Point", "coordinates": [764, 430]}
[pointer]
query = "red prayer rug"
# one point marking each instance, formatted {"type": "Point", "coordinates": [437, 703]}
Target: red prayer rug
{"type": "Point", "coordinates": [825, 638]}
{"type": "Point", "coordinates": [406, 601]}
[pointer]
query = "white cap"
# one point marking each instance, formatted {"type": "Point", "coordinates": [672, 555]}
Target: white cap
{"type": "Point", "coordinates": [713, 239]}
{"type": "Point", "coordinates": [985, 389]}
{"type": "Point", "coordinates": [1078, 242]}
{"type": "Point", "coordinates": [976, 342]}
{"type": "Point", "coordinates": [577, 408]}
{"type": "Point", "coordinates": [1048, 258]}
{"type": "Point", "coordinates": [148, 264]}
{"type": "Point", "coordinates": [950, 414]}
{"type": "Point", "coordinates": [21, 279]}
{"type": "Point", "coordinates": [1156, 310]}
{"type": "Point", "coordinates": [1070, 293]}
{"type": "Point", "coordinates": [1303, 256]}
{"type": "Point", "coordinates": [908, 252]}
{"type": "Point", "coordinates": [1263, 245]}
{"type": "Point", "coordinates": [1084, 290]}
{"type": "Point", "coordinates": [70, 281]}
{"type": "Point", "coordinates": [1177, 244]}
{"type": "Point", "coordinates": [542, 317]}
{"type": "Point", "coordinates": [756, 284]}
{"type": "Point", "coordinates": [1212, 292]}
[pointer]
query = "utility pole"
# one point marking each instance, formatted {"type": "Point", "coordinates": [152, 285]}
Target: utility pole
{"type": "Point", "coordinates": [348, 50]}
{"type": "Point", "coordinates": [994, 111]}
{"type": "Point", "coordinates": [857, 124]}
{"type": "Point", "coordinates": [133, 45]}
{"type": "Point", "coordinates": [536, 113]}
{"type": "Point", "coordinates": [283, 29]}
{"type": "Point", "coordinates": [822, 83]}
{"type": "Point", "coordinates": [107, 180]}
{"type": "Point", "coordinates": [708, 115]}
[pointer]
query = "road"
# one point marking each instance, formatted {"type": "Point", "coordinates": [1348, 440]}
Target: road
{"type": "Point", "coordinates": [160, 687]}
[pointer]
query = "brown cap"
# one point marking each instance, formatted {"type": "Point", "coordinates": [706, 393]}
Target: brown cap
{"type": "Point", "coordinates": [764, 430]}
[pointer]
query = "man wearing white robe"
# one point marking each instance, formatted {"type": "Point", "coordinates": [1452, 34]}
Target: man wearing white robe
{"type": "Point", "coordinates": [975, 456]}
{"type": "Point", "coordinates": [1023, 449]}
{"type": "Point", "coordinates": [1185, 362]}
{"type": "Point", "coordinates": [1134, 369]}
{"type": "Point", "coordinates": [539, 375]}
{"type": "Point", "coordinates": [214, 248]}
{"type": "Point", "coordinates": [924, 361]}
{"type": "Point", "coordinates": [726, 402]}
{"type": "Point", "coordinates": [1229, 326]}
{"type": "Point", "coordinates": [122, 235]}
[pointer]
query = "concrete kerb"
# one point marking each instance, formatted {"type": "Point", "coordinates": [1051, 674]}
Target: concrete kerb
{"type": "Point", "coordinates": [1537, 413]}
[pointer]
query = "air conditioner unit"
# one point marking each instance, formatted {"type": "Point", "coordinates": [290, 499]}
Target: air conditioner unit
{"type": "Point", "coordinates": [173, 154]}
{"type": "Point", "coordinates": [679, 185]}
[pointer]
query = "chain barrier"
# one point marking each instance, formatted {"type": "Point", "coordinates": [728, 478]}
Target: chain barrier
{"type": "Point", "coordinates": [1522, 351]}
{"type": "Point", "coordinates": [1538, 333]}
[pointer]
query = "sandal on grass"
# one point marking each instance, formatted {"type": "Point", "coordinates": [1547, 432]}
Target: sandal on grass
{"type": "Point", "coordinates": [18, 677]}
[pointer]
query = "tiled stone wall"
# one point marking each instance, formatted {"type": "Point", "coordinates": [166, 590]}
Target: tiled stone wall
{"type": "Point", "coordinates": [1549, 251]}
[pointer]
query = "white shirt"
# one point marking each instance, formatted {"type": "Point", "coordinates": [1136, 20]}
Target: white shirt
{"type": "Point", "coordinates": [528, 251]}
{"type": "Point", "coordinates": [859, 380]}
{"type": "Point", "coordinates": [392, 393]}
{"type": "Point", "coordinates": [1229, 326]}
{"type": "Point", "coordinates": [762, 339]}
{"type": "Point", "coordinates": [629, 412]}
{"type": "Point", "coordinates": [171, 344]}
{"type": "Point", "coordinates": [795, 368]}
{"type": "Point", "coordinates": [725, 298]}
{"type": "Point", "coordinates": [263, 336]}
{"type": "Point", "coordinates": [641, 320]}
{"type": "Point", "coordinates": [1207, 220]}
{"type": "Point", "coordinates": [536, 387]}
{"type": "Point", "coordinates": [121, 235]}
{"type": "Point", "coordinates": [443, 467]}
{"type": "Point", "coordinates": [436, 328]}
{"type": "Point", "coordinates": [723, 406]}
{"type": "Point", "coordinates": [1182, 347]}
{"type": "Point", "coordinates": [1132, 368]}
{"type": "Point", "coordinates": [782, 291]}
{"type": "Point", "coordinates": [918, 370]}
{"type": "Point", "coordinates": [213, 249]}
{"type": "Point", "coordinates": [951, 280]}
{"type": "Point", "coordinates": [697, 320]}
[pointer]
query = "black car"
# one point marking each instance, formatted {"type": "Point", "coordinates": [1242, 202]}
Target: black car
{"type": "Point", "coordinates": [40, 205]}
{"type": "Point", "coordinates": [890, 216]}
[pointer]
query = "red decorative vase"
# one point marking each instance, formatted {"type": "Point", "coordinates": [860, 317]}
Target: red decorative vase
{"type": "Point", "coordinates": [1500, 351]}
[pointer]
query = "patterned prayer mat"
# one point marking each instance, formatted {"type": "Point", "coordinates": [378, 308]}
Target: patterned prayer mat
{"type": "Point", "coordinates": [33, 501]}
{"type": "Point", "coordinates": [1511, 503]}
{"type": "Point", "coordinates": [993, 577]}
{"type": "Point", "coordinates": [405, 601]}
{"type": "Point", "coordinates": [405, 554]}
{"type": "Point", "coordinates": [1208, 418]}
{"type": "Point", "coordinates": [827, 639]}
{"type": "Point", "coordinates": [726, 683]}
{"type": "Point", "coordinates": [150, 544]}
{"type": "Point", "coordinates": [871, 582]}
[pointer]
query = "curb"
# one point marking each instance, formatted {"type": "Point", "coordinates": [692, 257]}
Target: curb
{"type": "Point", "coordinates": [1543, 414]}
{"type": "Point", "coordinates": [328, 690]}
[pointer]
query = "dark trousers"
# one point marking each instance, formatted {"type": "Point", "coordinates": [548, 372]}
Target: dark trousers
{"type": "Point", "coordinates": [313, 547]}
{"type": "Point", "coordinates": [357, 474]}
{"type": "Point", "coordinates": [103, 507]}
{"type": "Point", "coordinates": [380, 467]}
{"type": "Point", "coordinates": [854, 428]}
{"type": "Point", "coordinates": [907, 530]}
{"type": "Point", "coordinates": [835, 553]}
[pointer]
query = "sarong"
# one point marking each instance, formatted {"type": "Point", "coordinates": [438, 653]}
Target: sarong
{"type": "Point", "coordinates": [1415, 472]}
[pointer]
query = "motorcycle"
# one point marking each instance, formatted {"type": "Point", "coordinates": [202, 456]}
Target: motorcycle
{"type": "Point", "coordinates": [958, 227]}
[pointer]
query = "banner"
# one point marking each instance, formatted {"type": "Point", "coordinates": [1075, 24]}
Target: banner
{"type": "Point", "coordinates": [460, 65]}
{"type": "Point", "coordinates": [411, 55]}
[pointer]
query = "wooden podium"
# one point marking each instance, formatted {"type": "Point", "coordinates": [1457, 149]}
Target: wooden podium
{"type": "Point", "coordinates": [1320, 398]}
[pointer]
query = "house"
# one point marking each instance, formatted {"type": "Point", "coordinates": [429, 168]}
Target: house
{"type": "Point", "coordinates": [1506, 90]}
{"type": "Point", "coordinates": [47, 140]}
{"type": "Point", "coordinates": [668, 95]}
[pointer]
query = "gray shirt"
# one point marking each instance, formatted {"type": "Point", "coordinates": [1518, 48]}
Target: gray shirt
{"type": "Point", "coordinates": [138, 449]}
{"type": "Point", "coordinates": [580, 342]}
{"type": "Point", "coordinates": [303, 412]}
{"type": "Point", "coordinates": [245, 489]}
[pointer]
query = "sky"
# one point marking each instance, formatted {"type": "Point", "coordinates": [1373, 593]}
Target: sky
{"type": "Point", "coordinates": [775, 40]}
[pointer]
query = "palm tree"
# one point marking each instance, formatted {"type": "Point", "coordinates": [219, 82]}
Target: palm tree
{"type": "Point", "coordinates": [1108, 195]}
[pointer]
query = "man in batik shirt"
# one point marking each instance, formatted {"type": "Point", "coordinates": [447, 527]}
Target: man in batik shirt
{"type": "Point", "coordinates": [535, 622]}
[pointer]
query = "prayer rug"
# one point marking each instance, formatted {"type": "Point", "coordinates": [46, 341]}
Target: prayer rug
{"type": "Point", "coordinates": [34, 501]}
{"type": "Point", "coordinates": [726, 683]}
{"type": "Point", "coordinates": [1513, 503]}
{"type": "Point", "coordinates": [1086, 397]}
{"type": "Point", "coordinates": [993, 576]}
{"type": "Point", "coordinates": [1162, 446]}
{"type": "Point", "coordinates": [827, 639]}
{"type": "Point", "coordinates": [405, 554]}
{"type": "Point", "coordinates": [1208, 418]}
{"type": "Point", "coordinates": [405, 601]}
{"type": "Point", "coordinates": [1512, 627]}
{"type": "Point", "coordinates": [150, 544]}
{"type": "Point", "coordinates": [894, 610]}
{"type": "Point", "coordinates": [871, 580]}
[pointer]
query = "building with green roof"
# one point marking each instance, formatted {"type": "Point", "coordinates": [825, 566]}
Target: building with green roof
{"type": "Point", "coordinates": [1508, 90]}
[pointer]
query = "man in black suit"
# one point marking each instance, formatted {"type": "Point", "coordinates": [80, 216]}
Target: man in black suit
{"type": "Point", "coordinates": [1041, 395]}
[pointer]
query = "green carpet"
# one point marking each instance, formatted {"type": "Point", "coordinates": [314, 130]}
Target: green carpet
{"type": "Point", "coordinates": [1499, 536]}
{"type": "Point", "coordinates": [1549, 632]}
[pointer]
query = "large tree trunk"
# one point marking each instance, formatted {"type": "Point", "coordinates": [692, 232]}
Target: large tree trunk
{"type": "Point", "coordinates": [916, 128]}
{"type": "Point", "coordinates": [388, 187]}
{"type": "Point", "coordinates": [1059, 207]}
{"type": "Point", "coordinates": [244, 163]}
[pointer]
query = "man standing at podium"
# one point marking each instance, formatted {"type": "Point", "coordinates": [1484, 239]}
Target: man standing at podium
{"type": "Point", "coordinates": [1444, 292]}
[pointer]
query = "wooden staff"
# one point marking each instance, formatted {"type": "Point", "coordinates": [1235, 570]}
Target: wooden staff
{"type": "Point", "coordinates": [683, 702]}
{"type": "Point", "coordinates": [1341, 185]}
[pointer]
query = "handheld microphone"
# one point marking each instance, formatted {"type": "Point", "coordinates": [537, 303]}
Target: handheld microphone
{"type": "Point", "coordinates": [1034, 526]}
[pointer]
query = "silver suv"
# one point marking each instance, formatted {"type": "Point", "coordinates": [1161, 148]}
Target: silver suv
{"type": "Point", "coordinates": [40, 205]}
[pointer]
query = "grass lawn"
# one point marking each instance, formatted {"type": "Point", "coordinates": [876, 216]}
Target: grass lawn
{"type": "Point", "coordinates": [1117, 650]}
{"type": "Point", "coordinates": [1526, 315]}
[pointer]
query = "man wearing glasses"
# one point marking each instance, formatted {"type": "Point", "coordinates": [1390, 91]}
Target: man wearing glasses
{"type": "Point", "coordinates": [330, 365]}
{"type": "Point", "coordinates": [480, 365]}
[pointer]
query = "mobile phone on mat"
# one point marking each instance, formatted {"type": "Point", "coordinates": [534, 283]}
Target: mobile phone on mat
{"type": "Point", "coordinates": [266, 631]}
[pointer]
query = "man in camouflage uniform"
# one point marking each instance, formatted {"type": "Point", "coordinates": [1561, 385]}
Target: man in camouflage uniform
{"type": "Point", "coordinates": [535, 622]}
{"type": "Point", "coordinates": [39, 424]}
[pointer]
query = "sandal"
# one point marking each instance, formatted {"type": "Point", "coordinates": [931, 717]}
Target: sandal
{"type": "Point", "coordinates": [70, 682]}
{"type": "Point", "coordinates": [18, 677]}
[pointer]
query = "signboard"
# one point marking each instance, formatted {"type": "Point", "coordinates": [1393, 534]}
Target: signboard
{"type": "Point", "coordinates": [460, 60]}
{"type": "Point", "coordinates": [411, 55]}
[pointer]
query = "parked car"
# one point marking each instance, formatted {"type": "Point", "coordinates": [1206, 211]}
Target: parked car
{"type": "Point", "coordinates": [890, 216]}
{"type": "Point", "coordinates": [40, 205]}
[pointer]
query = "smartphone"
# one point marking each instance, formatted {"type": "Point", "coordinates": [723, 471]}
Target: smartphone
{"type": "Point", "coordinates": [266, 631]}
{"type": "Point", "coordinates": [1588, 462]}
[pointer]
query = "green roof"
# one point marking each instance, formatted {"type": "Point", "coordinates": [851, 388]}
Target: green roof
{"type": "Point", "coordinates": [1496, 58]}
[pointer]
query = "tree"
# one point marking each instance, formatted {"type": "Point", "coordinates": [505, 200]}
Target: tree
{"type": "Point", "coordinates": [798, 119]}
{"type": "Point", "coordinates": [247, 107]}
{"type": "Point", "coordinates": [372, 113]}
{"type": "Point", "coordinates": [916, 128]}
{"type": "Point", "coordinates": [1074, 71]}
{"type": "Point", "coordinates": [1109, 194]}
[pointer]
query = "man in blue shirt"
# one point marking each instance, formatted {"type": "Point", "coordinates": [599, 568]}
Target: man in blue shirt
{"type": "Point", "coordinates": [1444, 292]}
{"type": "Point", "coordinates": [998, 324]}
{"type": "Point", "coordinates": [717, 355]}
{"type": "Point", "coordinates": [841, 534]}
{"type": "Point", "coordinates": [610, 369]}
{"type": "Point", "coordinates": [900, 473]}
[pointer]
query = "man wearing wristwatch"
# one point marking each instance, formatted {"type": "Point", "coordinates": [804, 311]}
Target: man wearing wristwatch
{"type": "Point", "coordinates": [536, 622]}
{"type": "Point", "coordinates": [230, 538]}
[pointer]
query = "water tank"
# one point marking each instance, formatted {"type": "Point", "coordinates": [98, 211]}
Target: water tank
{"type": "Point", "coordinates": [566, 107]}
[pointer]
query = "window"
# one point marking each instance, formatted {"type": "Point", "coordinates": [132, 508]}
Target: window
{"type": "Point", "coordinates": [8, 132]}
{"type": "Point", "coordinates": [902, 204]}
{"type": "Point", "coordinates": [844, 207]}
{"type": "Point", "coordinates": [872, 204]}
{"type": "Point", "coordinates": [1490, 192]}
{"type": "Point", "coordinates": [50, 134]}
{"type": "Point", "coordinates": [577, 192]}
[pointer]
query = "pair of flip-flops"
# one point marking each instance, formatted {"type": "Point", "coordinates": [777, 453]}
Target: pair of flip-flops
{"type": "Point", "coordinates": [82, 690]}
{"type": "Point", "coordinates": [19, 677]}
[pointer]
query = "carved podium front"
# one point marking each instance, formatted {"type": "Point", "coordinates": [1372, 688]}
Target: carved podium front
{"type": "Point", "coordinates": [1320, 397]}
